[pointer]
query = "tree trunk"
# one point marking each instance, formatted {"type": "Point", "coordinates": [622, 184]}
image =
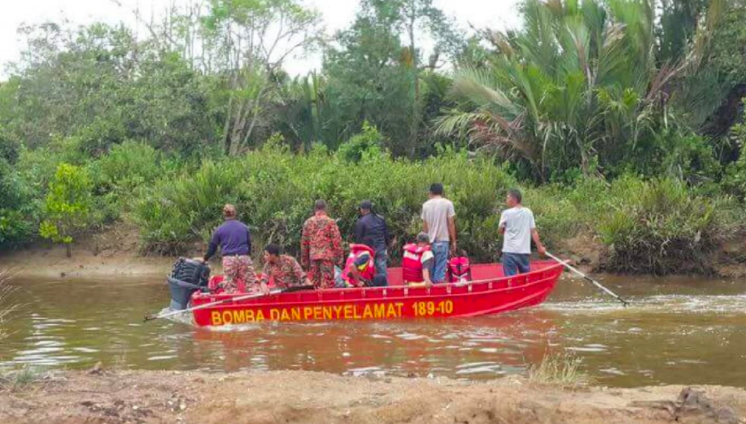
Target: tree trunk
{"type": "Point", "coordinates": [415, 124]}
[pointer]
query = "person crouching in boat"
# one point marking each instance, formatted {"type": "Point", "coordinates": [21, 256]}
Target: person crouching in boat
{"type": "Point", "coordinates": [234, 239]}
{"type": "Point", "coordinates": [283, 270]}
{"type": "Point", "coordinates": [360, 268]}
{"type": "Point", "coordinates": [418, 262]}
{"type": "Point", "coordinates": [518, 228]}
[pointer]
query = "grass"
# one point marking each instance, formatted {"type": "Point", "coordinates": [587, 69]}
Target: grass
{"type": "Point", "coordinates": [18, 379]}
{"type": "Point", "coordinates": [562, 370]}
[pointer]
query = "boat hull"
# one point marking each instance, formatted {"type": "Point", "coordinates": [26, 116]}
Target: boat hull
{"type": "Point", "coordinates": [490, 293]}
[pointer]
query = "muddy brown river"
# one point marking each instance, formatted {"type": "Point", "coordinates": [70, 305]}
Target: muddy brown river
{"type": "Point", "coordinates": [677, 331]}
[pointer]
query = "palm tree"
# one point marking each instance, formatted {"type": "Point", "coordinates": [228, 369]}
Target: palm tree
{"type": "Point", "coordinates": [579, 81]}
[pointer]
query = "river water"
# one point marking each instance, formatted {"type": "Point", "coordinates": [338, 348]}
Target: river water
{"type": "Point", "coordinates": [677, 331]}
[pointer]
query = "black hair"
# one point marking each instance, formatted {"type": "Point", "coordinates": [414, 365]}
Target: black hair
{"type": "Point", "coordinates": [436, 189]}
{"type": "Point", "coordinates": [320, 205]}
{"type": "Point", "coordinates": [273, 249]}
{"type": "Point", "coordinates": [516, 194]}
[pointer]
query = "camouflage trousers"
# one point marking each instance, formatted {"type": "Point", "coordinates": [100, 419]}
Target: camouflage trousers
{"type": "Point", "coordinates": [321, 274]}
{"type": "Point", "coordinates": [238, 273]}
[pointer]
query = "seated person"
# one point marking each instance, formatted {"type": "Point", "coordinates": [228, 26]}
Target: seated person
{"type": "Point", "coordinates": [284, 270]}
{"type": "Point", "coordinates": [418, 262]}
{"type": "Point", "coordinates": [360, 268]}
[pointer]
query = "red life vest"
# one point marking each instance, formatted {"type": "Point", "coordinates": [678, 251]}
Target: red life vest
{"type": "Point", "coordinates": [369, 269]}
{"type": "Point", "coordinates": [459, 270]}
{"type": "Point", "coordinates": [412, 263]}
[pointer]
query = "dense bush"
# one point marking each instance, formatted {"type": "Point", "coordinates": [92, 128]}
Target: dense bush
{"type": "Point", "coordinates": [274, 191]}
{"type": "Point", "coordinates": [657, 226]}
{"type": "Point", "coordinates": [661, 227]}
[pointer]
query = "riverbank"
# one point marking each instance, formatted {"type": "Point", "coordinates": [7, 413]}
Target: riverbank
{"type": "Point", "coordinates": [308, 397]}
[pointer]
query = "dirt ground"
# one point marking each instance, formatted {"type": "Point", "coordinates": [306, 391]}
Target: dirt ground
{"type": "Point", "coordinates": [101, 396]}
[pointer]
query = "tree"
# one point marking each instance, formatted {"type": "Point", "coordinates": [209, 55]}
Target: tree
{"type": "Point", "coordinates": [67, 205]}
{"type": "Point", "coordinates": [413, 19]}
{"type": "Point", "coordinates": [577, 87]}
{"type": "Point", "coordinates": [253, 38]}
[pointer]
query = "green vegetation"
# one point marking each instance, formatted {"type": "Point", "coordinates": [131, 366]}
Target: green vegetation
{"type": "Point", "coordinates": [21, 378]}
{"type": "Point", "coordinates": [562, 370]}
{"type": "Point", "coordinates": [620, 119]}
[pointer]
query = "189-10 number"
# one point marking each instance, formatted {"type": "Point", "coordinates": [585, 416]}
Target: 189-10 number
{"type": "Point", "coordinates": [426, 309]}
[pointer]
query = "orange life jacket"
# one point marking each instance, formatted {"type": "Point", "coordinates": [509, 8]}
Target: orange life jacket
{"type": "Point", "coordinates": [367, 271]}
{"type": "Point", "coordinates": [412, 263]}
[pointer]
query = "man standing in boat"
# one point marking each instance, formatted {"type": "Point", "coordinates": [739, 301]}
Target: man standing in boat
{"type": "Point", "coordinates": [284, 270]}
{"type": "Point", "coordinates": [234, 240]}
{"type": "Point", "coordinates": [518, 227]}
{"type": "Point", "coordinates": [321, 247]}
{"type": "Point", "coordinates": [439, 222]}
{"type": "Point", "coordinates": [371, 230]}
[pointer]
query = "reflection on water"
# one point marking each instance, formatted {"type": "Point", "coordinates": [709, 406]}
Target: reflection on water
{"type": "Point", "coordinates": [678, 331]}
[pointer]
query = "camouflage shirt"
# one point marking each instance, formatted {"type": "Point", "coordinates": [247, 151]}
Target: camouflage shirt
{"type": "Point", "coordinates": [321, 241]}
{"type": "Point", "coordinates": [285, 272]}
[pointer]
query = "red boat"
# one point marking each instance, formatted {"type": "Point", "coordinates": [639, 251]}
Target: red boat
{"type": "Point", "coordinates": [490, 292]}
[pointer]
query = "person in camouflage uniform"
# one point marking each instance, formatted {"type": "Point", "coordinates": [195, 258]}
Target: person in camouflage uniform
{"type": "Point", "coordinates": [321, 247]}
{"type": "Point", "coordinates": [234, 240]}
{"type": "Point", "coordinates": [284, 270]}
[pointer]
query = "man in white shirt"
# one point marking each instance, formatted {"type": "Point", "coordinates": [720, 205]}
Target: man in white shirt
{"type": "Point", "coordinates": [439, 222]}
{"type": "Point", "coordinates": [518, 228]}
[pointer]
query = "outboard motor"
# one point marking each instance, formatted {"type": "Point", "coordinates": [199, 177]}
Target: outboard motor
{"type": "Point", "coordinates": [187, 276]}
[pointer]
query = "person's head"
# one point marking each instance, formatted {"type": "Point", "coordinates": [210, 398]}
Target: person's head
{"type": "Point", "coordinates": [272, 252]}
{"type": "Point", "coordinates": [366, 207]}
{"type": "Point", "coordinates": [514, 197]}
{"type": "Point", "coordinates": [423, 239]}
{"type": "Point", "coordinates": [229, 211]}
{"type": "Point", "coordinates": [436, 189]}
{"type": "Point", "coordinates": [319, 206]}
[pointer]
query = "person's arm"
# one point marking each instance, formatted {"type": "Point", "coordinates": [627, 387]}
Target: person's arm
{"type": "Point", "coordinates": [359, 231]}
{"type": "Point", "coordinates": [213, 247]}
{"type": "Point", "coordinates": [305, 248]}
{"type": "Point", "coordinates": [299, 274]}
{"type": "Point", "coordinates": [426, 277]}
{"type": "Point", "coordinates": [427, 269]}
{"type": "Point", "coordinates": [354, 276]}
{"type": "Point", "coordinates": [502, 223]}
{"type": "Point", "coordinates": [452, 232]}
{"type": "Point", "coordinates": [539, 247]}
{"type": "Point", "coordinates": [266, 274]}
{"type": "Point", "coordinates": [452, 227]}
{"type": "Point", "coordinates": [535, 235]}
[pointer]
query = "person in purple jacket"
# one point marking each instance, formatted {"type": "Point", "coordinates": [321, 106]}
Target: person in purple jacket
{"type": "Point", "coordinates": [234, 240]}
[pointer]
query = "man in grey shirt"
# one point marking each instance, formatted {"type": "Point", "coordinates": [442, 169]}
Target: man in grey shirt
{"type": "Point", "coordinates": [439, 222]}
{"type": "Point", "coordinates": [518, 228]}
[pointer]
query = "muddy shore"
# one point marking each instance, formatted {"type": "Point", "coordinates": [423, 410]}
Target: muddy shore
{"type": "Point", "coordinates": [101, 396]}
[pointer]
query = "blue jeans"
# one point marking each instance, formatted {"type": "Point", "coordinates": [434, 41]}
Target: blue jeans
{"type": "Point", "coordinates": [440, 254]}
{"type": "Point", "coordinates": [381, 259]}
{"type": "Point", "coordinates": [515, 263]}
